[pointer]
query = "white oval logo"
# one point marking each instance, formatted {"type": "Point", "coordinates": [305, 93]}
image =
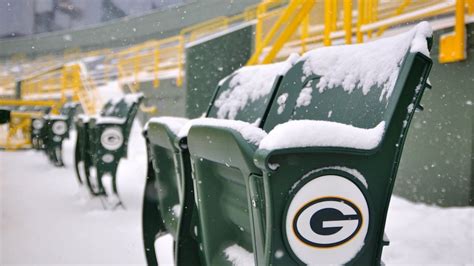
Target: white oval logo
{"type": "Point", "coordinates": [59, 127]}
{"type": "Point", "coordinates": [38, 123]}
{"type": "Point", "coordinates": [327, 220]}
{"type": "Point", "coordinates": [111, 139]}
{"type": "Point", "coordinates": [107, 158]}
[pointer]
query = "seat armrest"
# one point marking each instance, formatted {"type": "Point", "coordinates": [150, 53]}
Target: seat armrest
{"type": "Point", "coordinates": [223, 145]}
{"type": "Point", "coordinates": [164, 130]}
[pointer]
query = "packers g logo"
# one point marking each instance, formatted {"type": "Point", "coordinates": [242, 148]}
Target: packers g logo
{"type": "Point", "coordinates": [327, 219]}
{"type": "Point", "coordinates": [327, 222]}
{"type": "Point", "coordinates": [59, 127]}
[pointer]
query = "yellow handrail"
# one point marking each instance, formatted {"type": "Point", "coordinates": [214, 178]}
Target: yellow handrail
{"type": "Point", "coordinates": [453, 46]}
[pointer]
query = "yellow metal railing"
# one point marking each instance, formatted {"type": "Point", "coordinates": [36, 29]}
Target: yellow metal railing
{"type": "Point", "coordinates": [296, 27]}
{"type": "Point", "coordinates": [452, 47]}
{"type": "Point", "coordinates": [154, 60]}
{"type": "Point", "coordinates": [62, 84]}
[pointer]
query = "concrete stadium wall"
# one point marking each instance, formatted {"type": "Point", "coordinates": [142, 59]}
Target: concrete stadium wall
{"type": "Point", "coordinates": [210, 61]}
{"type": "Point", "coordinates": [437, 163]}
{"type": "Point", "coordinates": [126, 31]}
{"type": "Point", "coordinates": [168, 99]}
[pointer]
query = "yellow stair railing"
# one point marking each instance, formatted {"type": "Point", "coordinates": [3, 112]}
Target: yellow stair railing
{"type": "Point", "coordinates": [329, 22]}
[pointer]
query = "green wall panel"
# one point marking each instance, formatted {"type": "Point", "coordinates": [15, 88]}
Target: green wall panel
{"type": "Point", "coordinates": [437, 162]}
{"type": "Point", "coordinates": [168, 99]}
{"type": "Point", "coordinates": [210, 61]}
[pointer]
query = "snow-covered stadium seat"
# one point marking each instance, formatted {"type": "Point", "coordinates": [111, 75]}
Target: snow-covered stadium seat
{"type": "Point", "coordinates": [102, 141]}
{"type": "Point", "coordinates": [314, 184]}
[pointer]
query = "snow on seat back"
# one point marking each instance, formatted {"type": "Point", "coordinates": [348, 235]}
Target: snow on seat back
{"type": "Point", "coordinates": [348, 84]}
{"type": "Point", "coordinates": [245, 94]}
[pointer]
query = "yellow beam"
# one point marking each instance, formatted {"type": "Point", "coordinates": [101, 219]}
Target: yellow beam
{"type": "Point", "coordinates": [304, 33]}
{"type": "Point", "coordinates": [285, 16]}
{"type": "Point", "coordinates": [156, 68]}
{"type": "Point", "coordinates": [453, 46]}
{"type": "Point", "coordinates": [306, 7]}
{"type": "Point", "coordinates": [328, 14]}
{"type": "Point", "coordinates": [360, 20]}
{"type": "Point", "coordinates": [348, 20]}
{"type": "Point", "coordinates": [470, 7]}
{"type": "Point", "coordinates": [16, 102]}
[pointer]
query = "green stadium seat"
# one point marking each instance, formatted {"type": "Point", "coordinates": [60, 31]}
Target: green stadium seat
{"type": "Point", "coordinates": [49, 132]}
{"type": "Point", "coordinates": [102, 142]}
{"type": "Point", "coordinates": [168, 207]}
{"type": "Point", "coordinates": [313, 186]}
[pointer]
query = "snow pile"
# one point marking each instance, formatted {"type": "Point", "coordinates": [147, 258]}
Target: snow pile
{"type": "Point", "coordinates": [362, 66]}
{"type": "Point", "coordinates": [58, 117]}
{"type": "Point", "coordinates": [310, 133]}
{"type": "Point", "coordinates": [250, 84]}
{"type": "Point", "coordinates": [248, 131]}
{"type": "Point", "coordinates": [70, 104]}
{"type": "Point", "coordinates": [239, 256]}
{"type": "Point", "coordinates": [173, 123]}
{"type": "Point", "coordinates": [419, 233]}
{"type": "Point", "coordinates": [53, 221]}
{"type": "Point", "coordinates": [282, 102]}
{"type": "Point", "coordinates": [132, 98]}
{"type": "Point", "coordinates": [304, 98]}
{"type": "Point", "coordinates": [109, 120]}
{"type": "Point", "coordinates": [422, 234]}
{"type": "Point", "coordinates": [176, 210]}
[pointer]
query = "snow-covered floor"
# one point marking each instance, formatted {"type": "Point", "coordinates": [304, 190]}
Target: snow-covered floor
{"type": "Point", "coordinates": [47, 219]}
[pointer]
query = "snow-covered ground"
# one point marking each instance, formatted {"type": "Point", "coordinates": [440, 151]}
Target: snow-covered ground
{"type": "Point", "coordinates": [47, 219]}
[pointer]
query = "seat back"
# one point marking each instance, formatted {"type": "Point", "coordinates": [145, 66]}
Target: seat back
{"type": "Point", "coordinates": [132, 103]}
{"type": "Point", "coordinates": [245, 95]}
{"type": "Point", "coordinates": [361, 90]}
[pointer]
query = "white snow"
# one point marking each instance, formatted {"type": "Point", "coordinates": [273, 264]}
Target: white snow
{"type": "Point", "coordinates": [59, 117]}
{"type": "Point", "coordinates": [250, 83]}
{"type": "Point", "coordinates": [421, 234]}
{"type": "Point", "coordinates": [304, 98]}
{"type": "Point", "coordinates": [248, 131]}
{"type": "Point", "coordinates": [176, 210]}
{"type": "Point", "coordinates": [132, 98]}
{"type": "Point", "coordinates": [314, 133]}
{"type": "Point", "coordinates": [109, 120]}
{"type": "Point", "coordinates": [239, 256]}
{"type": "Point", "coordinates": [282, 102]}
{"type": "Point", "coordinates": [361, 66]}
{"type": "Point", "coordinates": [173, 123]}
{"type": "Point", "coordinates": [46, 219]}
